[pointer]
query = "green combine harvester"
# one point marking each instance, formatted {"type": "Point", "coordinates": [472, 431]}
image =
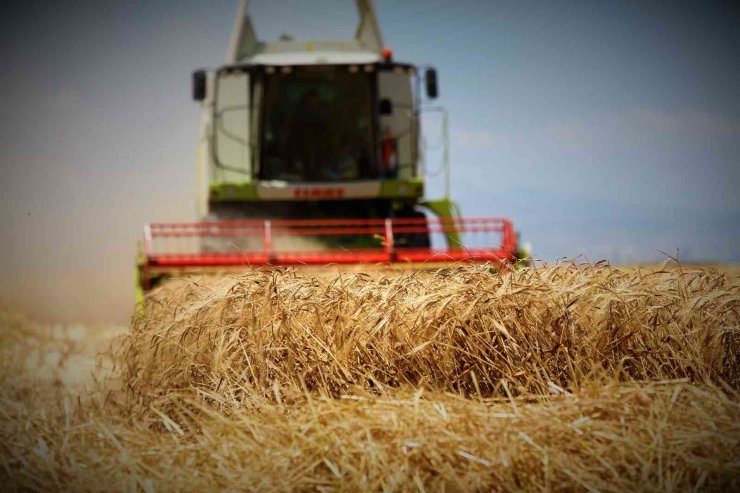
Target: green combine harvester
{"type": "Point", "coordinates": [309, 154]}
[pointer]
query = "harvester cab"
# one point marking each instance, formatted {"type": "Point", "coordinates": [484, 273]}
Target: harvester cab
{"type": "Point", "coordinates": [309, 154]}
{"type": "Point", "coordinates": [310, 129]}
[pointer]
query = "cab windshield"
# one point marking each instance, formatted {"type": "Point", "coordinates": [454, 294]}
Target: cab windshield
{"type": "Point", "coordinates": [317, 125]}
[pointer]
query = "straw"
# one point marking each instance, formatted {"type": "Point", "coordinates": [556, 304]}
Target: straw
{"type": "Point", "coordinates": [556, 378]}
{"type": "Point", "coordinates": [466, 330]}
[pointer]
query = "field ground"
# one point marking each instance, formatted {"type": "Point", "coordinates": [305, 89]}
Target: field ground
{"type": "Point", "coordinates": [459, 379]}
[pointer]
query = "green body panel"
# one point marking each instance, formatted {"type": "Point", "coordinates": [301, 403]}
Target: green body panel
{"type": "Point", "coordinates": [399, 189]}
{"type": "Point", "coordinates": [446, 208]}
{"type": "Point", "coordinates": [140, 263]}
{"type": "Point", "coordinates": [247, 190]}
{"type": "Point", "coordinates": [141, 283]}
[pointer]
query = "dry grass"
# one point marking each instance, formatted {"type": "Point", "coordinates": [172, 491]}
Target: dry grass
{"type": "Point", "coordinates": [655, 438]}
{"type": "Point", "coordinates": [54, 358]}
{"type": "Point", "coordinates": [464, 330]}
{"type": "Point", "coordinates": [562, 378]}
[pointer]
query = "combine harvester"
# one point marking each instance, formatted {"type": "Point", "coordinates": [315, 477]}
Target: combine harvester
{"type": "Point", "coordinates": [309, 154]}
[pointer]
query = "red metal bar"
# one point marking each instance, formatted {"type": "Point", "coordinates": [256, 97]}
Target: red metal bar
{"type": "Point", "coordinates": [324, 258]}
{"type": "Point", "coordinates": [386, 229]}
{"type": "Point", "coordinates": [268, 238]}
{"type": "Point", "coordinates": [312, 231]}
{"type": "Point", "coordinates": [389, 247]}
{"type": "Point", "coordinates": [323, 222]}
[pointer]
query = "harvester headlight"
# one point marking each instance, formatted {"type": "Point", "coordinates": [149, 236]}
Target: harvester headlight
{"type": "Point", "coordinates": [270, 70]}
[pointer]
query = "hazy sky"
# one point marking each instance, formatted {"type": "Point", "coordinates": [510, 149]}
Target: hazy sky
{"type": "Point", "coordinates": [609, 129]}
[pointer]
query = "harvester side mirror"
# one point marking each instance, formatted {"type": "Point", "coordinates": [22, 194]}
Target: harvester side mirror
{"type": "Point", "coordinates": [430, 80]}
{"type": "Point", "coordinates": [385, 107]}
{"type": "Point", "coordinates": [199, 85]}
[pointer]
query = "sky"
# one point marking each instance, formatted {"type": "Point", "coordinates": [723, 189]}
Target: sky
{"type": "Point", "coordinates": [609, 130]}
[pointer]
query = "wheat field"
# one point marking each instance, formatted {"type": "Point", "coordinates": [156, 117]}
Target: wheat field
{"type": "Point", "coordinates": [568, 377]}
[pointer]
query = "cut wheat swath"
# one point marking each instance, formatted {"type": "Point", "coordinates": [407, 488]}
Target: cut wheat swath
{"type": "Point", "coordinates": [569, 378]}
{"type": "Point", "coordinates": [464, 330]}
